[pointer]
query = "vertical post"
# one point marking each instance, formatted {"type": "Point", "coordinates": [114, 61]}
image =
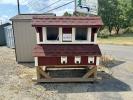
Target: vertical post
{"type": "Point", "coordinates": [18, 7]}
{"type": "Point", "coordinates": [36, 61]}
{"type": "Point", "coordinates": [44, 34]}
{"type": "Point", "coordinates": [60, 34]}
{"type": "Point", "coordinates": [73, 34]}
{"type": "Point", "coordinates": [97, 61]}
{"type": "Point", "coordinates": [89, 35]}
{"type": "Point", "coordinates": [95, 38]}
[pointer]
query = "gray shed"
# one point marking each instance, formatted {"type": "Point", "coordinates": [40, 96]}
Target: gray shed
{"type": "Point", "coordinates": [25, 38]}
{"type": "Point", "coordinates": [2, 34]}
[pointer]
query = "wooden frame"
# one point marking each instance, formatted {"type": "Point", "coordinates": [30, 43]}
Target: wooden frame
{"type": "Point", "coordinates": [89, 76]}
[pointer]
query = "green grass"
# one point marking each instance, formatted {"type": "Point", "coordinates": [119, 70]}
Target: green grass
{"type": "Point", "coordinates": [122, 39]}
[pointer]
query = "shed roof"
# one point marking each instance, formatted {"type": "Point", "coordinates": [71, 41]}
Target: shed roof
{"type": "Point", "coordinates": [66, 50]}
{"type": "Point", "coordinates": [29, 16]}
{"type": "Point", "coordinates": [66, 21]}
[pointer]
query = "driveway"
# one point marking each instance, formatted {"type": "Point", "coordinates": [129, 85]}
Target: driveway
{"type": "Point", "coordinates": [16, 83]}
{"type": "Point", "coordinates": [120, 52]}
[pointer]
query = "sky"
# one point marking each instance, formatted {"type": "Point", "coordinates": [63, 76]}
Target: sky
{"type": "Point", "coordinates": [8, 8]}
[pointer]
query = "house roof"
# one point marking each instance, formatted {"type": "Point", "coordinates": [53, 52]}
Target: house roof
{"type": "Point", "coordinates": [5, 24]}
{"type": "Point", "coordinates": [66, 21]}
{"type": "Point", "coordinates": [29, 16]}
{"type": "Point", "coordinates": [50, 50]}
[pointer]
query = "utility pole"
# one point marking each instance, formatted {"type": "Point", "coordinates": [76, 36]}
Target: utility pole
{"type": "Point", "coordinates": [18, 7]}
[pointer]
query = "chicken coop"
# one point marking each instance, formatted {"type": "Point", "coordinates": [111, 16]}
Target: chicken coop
{"type": "Point", "coordinates": [66, 42]}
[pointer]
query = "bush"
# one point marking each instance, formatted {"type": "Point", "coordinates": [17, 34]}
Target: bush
{"type": "Point", "coordinates": [129, 30]}
{"type": "Point", "coordinates": [103, 33]}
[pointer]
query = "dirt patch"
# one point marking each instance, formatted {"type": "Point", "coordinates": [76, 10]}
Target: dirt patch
{"type": "Point", "coordinates": [16, 83]}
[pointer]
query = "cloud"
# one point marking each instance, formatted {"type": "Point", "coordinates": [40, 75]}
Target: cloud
{"type": "Point", "coordinates": [4, 18]}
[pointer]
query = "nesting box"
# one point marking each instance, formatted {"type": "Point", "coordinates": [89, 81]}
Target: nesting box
{"type": "Point", "coordinates": [66, 42]}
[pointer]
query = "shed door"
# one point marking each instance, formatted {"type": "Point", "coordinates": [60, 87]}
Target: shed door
{"type": "Point", "coordinates": [9, 37]}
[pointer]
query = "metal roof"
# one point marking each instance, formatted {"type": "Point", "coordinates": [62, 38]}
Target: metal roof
{"type": "Point", "coordinates": [29, 16]}
{"type": "Point", "coordinates": [66, 21]}
{"type": "Point", "coordinates": [51, 50]}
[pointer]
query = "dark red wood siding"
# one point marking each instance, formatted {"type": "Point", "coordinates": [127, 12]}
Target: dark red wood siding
{"type": "Point", "coordinates": [43, 61]}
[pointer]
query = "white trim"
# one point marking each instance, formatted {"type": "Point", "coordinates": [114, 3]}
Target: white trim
{"type": "Point", "coordinates": [89, 35]}
{"type": "Point", "coordinates": [60, 34]}
{"type": "Point", "coordinates": [95, 37]}
{"type": "Point", "coordinates": [63, 59]}
{"type": "Point", "coordinates": [91, 59]}
{"type": "Point", "coordinates": [73, 34]}
{"type": "Point", "coordinates": [44, 34]}
{"type": "Point", "coordinates": [58, 42]}
{"type": "Point", "coordinates": [97, 61]}
{"type": "Point", "coordinates": [77, 58]}
{"type": "Point", "coordinates": [37, 38]}
{"type": "Point", "coordinates": [36, 61]}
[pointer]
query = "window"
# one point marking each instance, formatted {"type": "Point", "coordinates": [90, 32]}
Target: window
{"type": "Point", "coordinates": [91, 60]}
{"type": "Point", "coordinates": [77, 59]}
{"type": "Point", "coordinates": [63, 59]}
{"type": "Point", "coordinates": [67, 35]}
{"type": "Point", "coordinates": [81, 34]}
{"type": "Point", "coordinates": [52, 33]}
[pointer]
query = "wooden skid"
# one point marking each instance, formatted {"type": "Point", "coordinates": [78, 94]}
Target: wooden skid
{"type": "Point", "coordinates": [56, 80]}
{"type": "Point", "coordinates": [42, 76]}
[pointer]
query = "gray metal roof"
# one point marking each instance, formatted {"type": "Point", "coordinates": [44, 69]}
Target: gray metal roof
{"type": "Point", "coordinates": [29, 16]}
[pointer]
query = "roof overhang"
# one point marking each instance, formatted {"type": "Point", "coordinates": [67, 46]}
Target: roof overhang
{"type": "Point", "coordinates": [40, 21]}
{"type": "Point", "coordinates": [56, 50]}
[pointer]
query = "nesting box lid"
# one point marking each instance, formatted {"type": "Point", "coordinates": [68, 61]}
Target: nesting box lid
{"type": "Point", "coordinates": [51, 50]}
{"type": "Point", "coordinates": [66, 21]}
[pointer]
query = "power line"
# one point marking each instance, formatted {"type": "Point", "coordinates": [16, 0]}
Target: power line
{"type": "Point", "coordinates": [59, 6]}
{"type": "Point", "coordinates": [50, 5]}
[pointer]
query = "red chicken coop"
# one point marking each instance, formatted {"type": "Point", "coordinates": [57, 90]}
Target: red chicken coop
{"type": "Point", "coordinates": [66, 42]}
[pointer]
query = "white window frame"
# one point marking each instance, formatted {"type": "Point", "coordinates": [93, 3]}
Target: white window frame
{"type": "Point", "coordinates": [60, 41]}
{"type": "Point", "coordinates": [51, 41]}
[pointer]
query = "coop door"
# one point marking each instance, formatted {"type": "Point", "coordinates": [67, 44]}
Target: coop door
{"type": "Point", "coordinates": [77, 59]}
{"type": "Point", "coordinates": [63, 59]}
{"type": "Point", "coordinates": [91, 60]}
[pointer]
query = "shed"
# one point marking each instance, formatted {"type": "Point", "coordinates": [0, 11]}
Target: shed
{"type": "Point", "coordinates": [2, 34]}
{"type": "Point", "coordinates": [25, 40]}
{"type": "Point", "coordinates": [9, 36]}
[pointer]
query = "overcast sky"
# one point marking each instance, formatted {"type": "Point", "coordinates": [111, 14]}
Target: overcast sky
{"type": "Point", "coordinates": [8, 8]}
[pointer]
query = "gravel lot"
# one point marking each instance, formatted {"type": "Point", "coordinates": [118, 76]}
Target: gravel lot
{"type": "Point", "coordinates": [16, 83]}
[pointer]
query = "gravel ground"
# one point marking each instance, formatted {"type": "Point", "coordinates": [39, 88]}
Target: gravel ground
{"type": "Point", "coordinates": [16, 83]}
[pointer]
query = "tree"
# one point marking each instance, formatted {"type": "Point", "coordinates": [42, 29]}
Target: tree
{"type": "Point", "coordinates": [67, 14]}
{"type": "Point", "coordinates": [115, 13]}
{"type": "Point", "coordinates": [122, 17]}
{"type": "Point", "coordinates": [108, 12]}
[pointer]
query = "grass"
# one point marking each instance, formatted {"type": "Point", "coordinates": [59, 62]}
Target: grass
{"type": "Point", "coordinates": [122, 39]}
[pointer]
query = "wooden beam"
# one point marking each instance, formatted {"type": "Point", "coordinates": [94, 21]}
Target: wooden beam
{"type": "Point", "coordinates": [90, 72]}
{"type": "Point", "coordinates": [43, 73]}
{"type": "Point", "coordinates": [66, 80]}
{"type": "Point", "coordinates": [38, 74]}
